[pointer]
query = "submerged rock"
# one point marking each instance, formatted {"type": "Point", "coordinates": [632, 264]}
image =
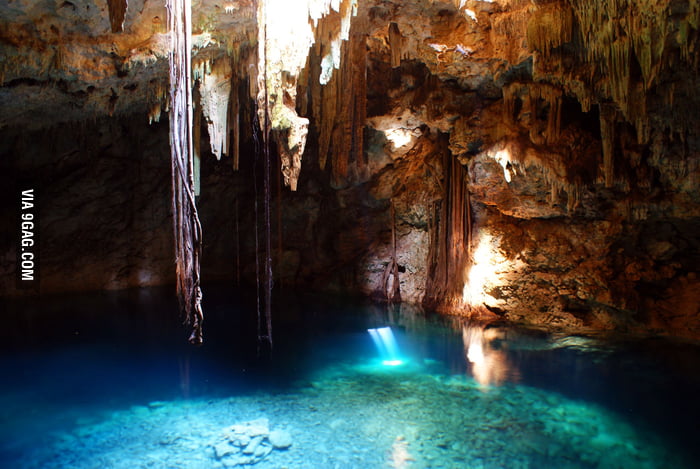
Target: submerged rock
{"type": "Point", "coordinates": [248, 443]}
{"type": "Point", "coordinates": [253, 445]}
{"type": "Point", "coordinates": [280, 439]}
{"type": "Point", "coordinates": [223, 449]}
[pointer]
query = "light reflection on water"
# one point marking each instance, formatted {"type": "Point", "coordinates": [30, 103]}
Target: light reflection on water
{"type": "Point", "coordinates": [489, 364]}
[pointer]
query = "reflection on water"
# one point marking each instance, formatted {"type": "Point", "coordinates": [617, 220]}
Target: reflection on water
{"type": "Point", "coordinates": [489, 366]}
{"type": "Point", "coordinates": [486, 346]}
{"type": "Point", "coordinates": [400, 456]}
{"type": "Point", "coordinates": [489, 363]}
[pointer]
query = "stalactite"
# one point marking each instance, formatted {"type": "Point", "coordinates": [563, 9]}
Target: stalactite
{"type": "Point", "coordinates": [468, 209]}
{"type": "Point", "coordinates": [573, 198]}
{"type": "Point", "coordinates": [457, 233]}
{"type": "Point", "coordinates": [433, 248]}
{"type": "Point", "coordinates": [618, 61]}
{"type": "Point", "coordinates": [618, 38]}
{"type": "Point", "coordinates": [342, 152]}
{"type": "Point", "coordinates": [154, 113]}
{"type": "Point", "coordinates": [215, 91]}
{"type": "Point", "coordinates": [340, 106]}
{"type": "Point", "coordinates": [396, 45]}
{"type": "Point", "coordinates": [291, 148]}
{"type": "Point", "coordinates": [303, 83]}
{"type": "Point", "coordinates": [554, 193]}
{"type": "Point", "coordinates": [622, 27]}
{"type": "Point", "coordinates": [532, 94]}
{"type": "Point", "coordinates": [117, 12]}
{"type": "Point", "coordinates": [552, 96]}
{"type": "Point", "coordinates": [358, 60]}
{"type": "Point", "coordinates": [197, 142]}
{"type": "Point", "coordinates": [331, 33]}
{"type": "Point", "coordinates": [350, 121]}
{"type": "Point", "coordinates": [158, 95]}
{"type": "Point", "coordinates": [554, 119]}
{"type": "Point", "coordinates": [187, 229]}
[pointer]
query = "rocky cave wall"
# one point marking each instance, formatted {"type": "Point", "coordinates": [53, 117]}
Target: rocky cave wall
{"type": "Point", "coordinates": [581, 164]}
{"type": "Point", "coordinates": [103, 204]}
{"type": "Point", "coordinates": [534, 161]}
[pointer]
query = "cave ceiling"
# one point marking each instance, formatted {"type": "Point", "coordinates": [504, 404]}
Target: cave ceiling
{"type": "Point", "coordinates": [61, 62]}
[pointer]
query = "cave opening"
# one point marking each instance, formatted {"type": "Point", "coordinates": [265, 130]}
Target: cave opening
{"type": "Point", "coordinates": [472, 226]}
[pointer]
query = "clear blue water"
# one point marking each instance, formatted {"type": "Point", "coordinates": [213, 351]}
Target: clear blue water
{"type": "Point", "coordinates": [108, 381]}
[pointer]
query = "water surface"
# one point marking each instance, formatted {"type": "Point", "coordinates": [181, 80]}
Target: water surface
{"type": "Point", "coordinates": [107, 380]}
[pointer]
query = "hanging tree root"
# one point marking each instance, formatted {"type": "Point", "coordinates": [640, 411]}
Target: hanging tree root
{"type": "Point", "coordinates": [186, 225]}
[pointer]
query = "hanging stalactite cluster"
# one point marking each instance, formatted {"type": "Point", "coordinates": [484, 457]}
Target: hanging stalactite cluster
{"type": "Point", "coordinates": [451, 238]}
{"type": "Point", "coordinates": [284, 37]}
{"type": "Point", "coordinates": [625, 55]}
{"type": "Point", "coordinates": [550, 26]}
{"type": "Point", "coordinates": [609, 53]}
{"type": "Point", "coordinates": [187, 228]}
{"type": "Point", "coordinates": [544, 102]}
{"type": "Point", "coordinates": [340, 105]}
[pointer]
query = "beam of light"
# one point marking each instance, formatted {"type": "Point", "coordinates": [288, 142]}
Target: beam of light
{"type": "Point", "coordinates": [387, 347]}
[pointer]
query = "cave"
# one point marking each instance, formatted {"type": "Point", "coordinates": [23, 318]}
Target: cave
{"type": "Point", "coordinates": [349, 233]}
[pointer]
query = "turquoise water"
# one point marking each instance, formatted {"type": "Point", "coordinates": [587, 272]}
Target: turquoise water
{"type": "Point", "coordinates": [108, 381]}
